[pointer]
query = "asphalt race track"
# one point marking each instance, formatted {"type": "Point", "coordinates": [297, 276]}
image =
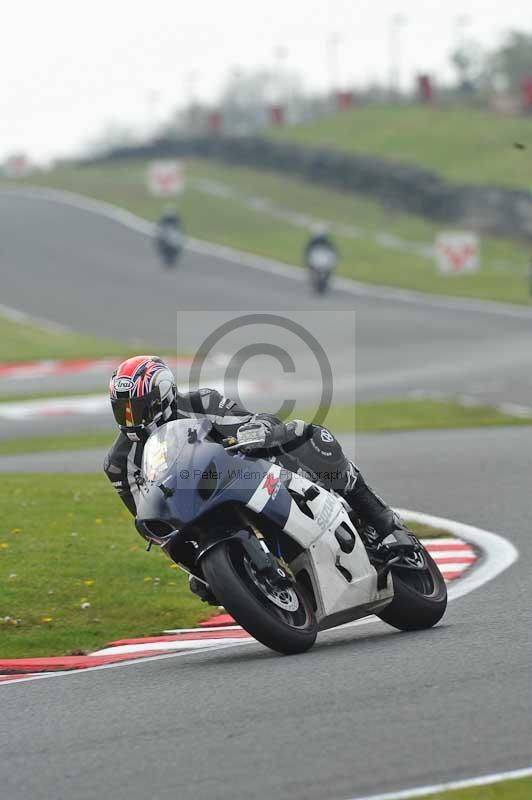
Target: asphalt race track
{"type": "Point", "coordinates": [97, 276]}
{"type": "Point", "coordinates": [369, 709]}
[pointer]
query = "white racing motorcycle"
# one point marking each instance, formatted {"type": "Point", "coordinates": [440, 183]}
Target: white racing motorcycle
{"type": "Point", "coordinates": [279, 552]}
{"type": "Point", "coordinates": [321, 260]}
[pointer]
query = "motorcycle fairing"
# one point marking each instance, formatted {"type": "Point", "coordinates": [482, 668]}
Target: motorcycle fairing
{"type": "Point", "coordinates": [344, 584]}
{"type": "Point", "coordinates": [187, 476]}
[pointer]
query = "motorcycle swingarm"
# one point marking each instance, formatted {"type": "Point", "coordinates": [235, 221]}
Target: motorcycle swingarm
{"type": "Point", "coordinates": [396, 561]}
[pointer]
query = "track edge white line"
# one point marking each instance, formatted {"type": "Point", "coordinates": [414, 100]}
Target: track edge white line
{"type": "Point", "coordinates": [421, 791]}
{"type": "Point", "coordinates": [497, 552]}
{"type": "Point", "coordinates": [376, 291]}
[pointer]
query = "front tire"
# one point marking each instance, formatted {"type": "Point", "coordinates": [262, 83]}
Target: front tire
{"type": "Point", "coordinates": [319, 282]}
{"type": "Point", "coordinates": [230, 575]}
{"type": "Point", "coordinates": [169, 260]}
{"type": "Point", "coordinates": [420, 598]}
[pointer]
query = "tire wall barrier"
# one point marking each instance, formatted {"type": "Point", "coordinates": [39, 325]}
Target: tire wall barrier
{"type": "Point", "coordinates": [398, 186]}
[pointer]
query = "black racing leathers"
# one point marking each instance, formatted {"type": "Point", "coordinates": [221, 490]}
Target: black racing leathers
{"type": "Point", "coordinates": [307, 449]}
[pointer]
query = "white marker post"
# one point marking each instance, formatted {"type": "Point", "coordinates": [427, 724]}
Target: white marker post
{"type": "Point", "coordinates": [457, 252]}
{"type": "Point", "coordinates": [166, 178]}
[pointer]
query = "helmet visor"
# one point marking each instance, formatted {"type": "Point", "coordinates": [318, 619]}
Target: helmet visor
{"type": "Point", "coordinates": [131, 412]}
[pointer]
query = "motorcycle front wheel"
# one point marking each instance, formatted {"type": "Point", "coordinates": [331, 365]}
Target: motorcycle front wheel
{"type": "Point", "coordinates": [169, 260]}
{"type": "Point", "coordinates": [320, 282]}
{"type": "Point", "coordinates": [281, 619]}
{"type": "Point", "coordinates": [420, 597]}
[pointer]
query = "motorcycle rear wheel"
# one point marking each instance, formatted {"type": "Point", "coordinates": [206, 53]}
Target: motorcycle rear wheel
{"type": "Point", "coordinates": [284, 622]}
{"type": "Point", "coordinates": [420, 598]}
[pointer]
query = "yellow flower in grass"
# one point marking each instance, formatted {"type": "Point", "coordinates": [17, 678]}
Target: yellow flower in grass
{"type": "Point", "coordinates": [89, 582]}
{"type": "Point", "coordinates": [173, 566]}
{"type": "Point", "coordinates": [46, 620]}
{"type": "Point", "coordinates": [98, 520]}
{"type": "Point", "coordinates": [147, 579]}
{"type": "Point", "coordinates": [4, 546]}
{"type": "Point", "coordinates": [16, 530]}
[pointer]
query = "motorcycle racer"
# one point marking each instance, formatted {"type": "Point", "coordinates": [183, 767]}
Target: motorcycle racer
{"type": "Point", "coordinates": [169, 238]}
{"type": "Point", "coordinates": [144, 397]}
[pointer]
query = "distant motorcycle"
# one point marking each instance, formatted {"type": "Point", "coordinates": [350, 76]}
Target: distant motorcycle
{"type": "Point", "coordinates": [278, 551]}
{"type": "Point", "coordinates": [321, 259]}
{"type": "Point", "coordinates": [169, 239]}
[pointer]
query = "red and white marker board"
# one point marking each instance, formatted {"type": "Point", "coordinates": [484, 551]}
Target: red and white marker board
{"type": "Point", "coordinates": [166, 178]}
{"type": "Point", "coordinates": [457, 252]}
{"type": "Point", "coordinates": [17, 166]}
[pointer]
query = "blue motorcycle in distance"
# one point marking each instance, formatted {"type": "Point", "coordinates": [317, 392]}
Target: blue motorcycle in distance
{"type": "Point", "coordinates": [321, 259]}
{"type": "Point", "coordinates": [278, 551]}
{"type": "Point", "coordinates": [169, 238]}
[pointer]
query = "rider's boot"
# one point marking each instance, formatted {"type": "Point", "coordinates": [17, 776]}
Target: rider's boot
{"type": "Point", "coordinates": [202, 590]}
{"type": "Point", "coordinates": [382, 529]}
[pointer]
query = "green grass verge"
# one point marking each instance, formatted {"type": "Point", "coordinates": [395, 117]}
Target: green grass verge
{"type": "Point", "coordinates": [520, 789]}
{"type": "Point", "coordinates": [229, 221]}
{"type": "Point", "coordinates": [45, 444]}
{"type": "Point", "coordinates": [385, 415]}
{"type": "Point", "coordinates": [66, 540]}
{"type": "Point", "coordinates": [21, 341]}
{"type": "Point", "coordinates": [462, 144]}
{"type": "Point", "coordinates": [423, 531]}
{"type": "Point", "coordinates": [404, 415]}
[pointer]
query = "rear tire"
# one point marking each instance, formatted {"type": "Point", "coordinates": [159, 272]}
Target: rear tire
{"type": "Point", "coordinates": [224, 567]}
{"type": "Point", "coordinates": [419, 602]}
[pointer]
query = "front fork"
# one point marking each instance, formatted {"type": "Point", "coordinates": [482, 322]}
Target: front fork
{"type": "Point", "coordinates": [266, 564]}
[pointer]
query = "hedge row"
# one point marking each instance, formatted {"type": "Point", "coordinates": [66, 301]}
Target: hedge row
{"type": "Point", "coordinates": [398, 186]}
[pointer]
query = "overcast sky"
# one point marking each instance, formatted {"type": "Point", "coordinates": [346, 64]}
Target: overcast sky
{"type": "Point", "coordinates": [67, 68]}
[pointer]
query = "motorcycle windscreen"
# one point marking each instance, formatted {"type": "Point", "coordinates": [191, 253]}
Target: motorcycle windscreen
{"type": "Point", "coordinates": [164, 447]}
{"type": "Point", "coordinates": [322, 258]}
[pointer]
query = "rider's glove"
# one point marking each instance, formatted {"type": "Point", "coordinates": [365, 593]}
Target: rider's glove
{"type": "Point", "coordinates": [255, 435]}
{"type": "Point", "coordinates": [262, 434]}
{"type": "Point", "coordinates": [295, 429]}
